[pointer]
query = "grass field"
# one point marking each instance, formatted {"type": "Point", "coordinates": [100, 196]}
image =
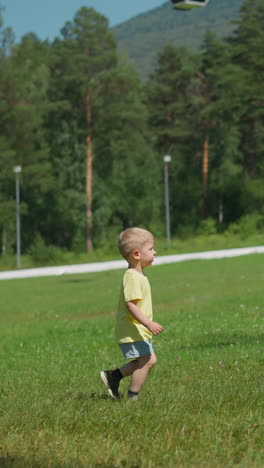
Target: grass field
{"type": "Point", "coordinates": [203, 404]}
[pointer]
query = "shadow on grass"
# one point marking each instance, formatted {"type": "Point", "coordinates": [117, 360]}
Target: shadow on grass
{"type": "Point", "coordinates": [77, 280]}
{"type": "Point", "coordinates": [218, 341]}
{"type": "Point", "coordinates": [88, 396]}
{"type": "Point", "coordinates": [19, 462]}
{"type": "Point", "coordinates": [9, 461]}
{"type": "Point", "coordinates": [100, 396]}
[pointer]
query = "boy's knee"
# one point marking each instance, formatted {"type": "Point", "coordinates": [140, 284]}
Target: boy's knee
{"type": "Point", "coordinates": [153, 360]}
{"type": "Point", "coordinates": [149, 360]}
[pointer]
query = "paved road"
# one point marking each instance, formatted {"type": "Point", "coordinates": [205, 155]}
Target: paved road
{"type": "Point", "coordinates": [119, 264]}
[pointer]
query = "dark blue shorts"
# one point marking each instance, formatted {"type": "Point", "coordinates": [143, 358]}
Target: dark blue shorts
{"type": "Point", "coordinates": [136, 349]}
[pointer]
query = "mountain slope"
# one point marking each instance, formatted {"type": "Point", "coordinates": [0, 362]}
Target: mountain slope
{"type": "Point", "coordinates": [144, 35]}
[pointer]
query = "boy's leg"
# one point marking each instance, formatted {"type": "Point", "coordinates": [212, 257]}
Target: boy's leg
{"type": "Point", "coordinates": [138, 369]}
{"type": "Point", "coordinates": [144, 364]}
{"type": "Point", "coordinates": [111, 378]}
{"type": "Point", "coordinates": [129, 368]}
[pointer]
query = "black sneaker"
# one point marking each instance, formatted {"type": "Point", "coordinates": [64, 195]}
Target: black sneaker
{"type": "Point", "coordinates": [111, 383]}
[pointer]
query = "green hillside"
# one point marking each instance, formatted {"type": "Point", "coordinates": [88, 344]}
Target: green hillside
{"type": "Point", "coordinates": [144, 35]}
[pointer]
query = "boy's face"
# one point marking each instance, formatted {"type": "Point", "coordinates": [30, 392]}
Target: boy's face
{"type": "Point", "coordinates": [147, 253]}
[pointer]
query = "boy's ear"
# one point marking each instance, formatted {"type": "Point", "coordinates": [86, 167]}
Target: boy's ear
{"type": "Point", "coordinates": [136, 254]}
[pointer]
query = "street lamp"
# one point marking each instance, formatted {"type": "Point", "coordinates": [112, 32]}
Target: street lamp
{"type": "Point", "coordinates": [167, 160]}
{"type": "Point", "coordinates": [17, 170]}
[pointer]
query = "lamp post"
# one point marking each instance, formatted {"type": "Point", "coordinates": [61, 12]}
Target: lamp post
{"type": "Point", "coordinates": [17, 170]}
{"type": "Point", "coordinates": [167, 160]}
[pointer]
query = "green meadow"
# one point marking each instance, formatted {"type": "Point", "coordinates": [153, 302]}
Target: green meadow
{"type": "Point", "coordinates": [202, 405]}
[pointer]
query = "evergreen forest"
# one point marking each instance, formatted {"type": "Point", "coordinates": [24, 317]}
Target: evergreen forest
{"type": "Point", "coordinates": [90, 136]}
{"type": "Point", "coordinates": [143, 36]}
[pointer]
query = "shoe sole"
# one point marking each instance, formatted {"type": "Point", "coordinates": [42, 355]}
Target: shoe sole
{"type": "Point", "coordinates": [104, 379]}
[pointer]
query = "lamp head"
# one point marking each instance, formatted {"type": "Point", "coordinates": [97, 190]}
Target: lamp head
{"type": "Point", "coordinates": [167, 158]}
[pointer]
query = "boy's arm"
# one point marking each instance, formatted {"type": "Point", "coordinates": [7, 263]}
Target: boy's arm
{"type": "Point", "coordinates": [134, 310]}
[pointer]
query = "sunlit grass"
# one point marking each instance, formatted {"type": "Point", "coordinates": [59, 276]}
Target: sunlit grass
{"type": "Point", "coordinates": [202, 404]}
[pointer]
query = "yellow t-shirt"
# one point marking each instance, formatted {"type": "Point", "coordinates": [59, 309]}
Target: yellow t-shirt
{"type": "Point", "coordinates": [135, 287]}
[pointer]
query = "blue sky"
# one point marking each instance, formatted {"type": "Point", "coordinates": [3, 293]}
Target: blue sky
{"type": "Point", "coordinates": [47, 17]}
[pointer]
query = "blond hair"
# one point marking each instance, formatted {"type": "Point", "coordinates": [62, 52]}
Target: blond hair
{"type": "Point", "coordinates": [131, 239]}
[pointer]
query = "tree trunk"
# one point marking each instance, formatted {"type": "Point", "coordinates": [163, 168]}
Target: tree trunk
{"type": "Point", "coordinates": [221, 212]}
{"type": "Point", "coordinates": [205, 146]}
{"type": "Point", "coordinates": [3, 241]}
{"type": "Point", "coordinates": [252, 151]}
{"type": "Point", "coordinates": [205, 176]}
{"type": "Point", "coordinates": [89, 176]}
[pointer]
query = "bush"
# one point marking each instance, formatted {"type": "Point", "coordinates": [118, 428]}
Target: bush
{"type": "Point", "coordinates": [247, 225]}
{"type": "Point", "coordinates": [207, 227]}
{"type": "Point", "coordinates": [185, 231]}
{"type": "Point", "coordinates": [44, 254]}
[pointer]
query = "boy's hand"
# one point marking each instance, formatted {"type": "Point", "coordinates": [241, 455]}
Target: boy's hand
{"type": "Point", "coordinates": [155, 328]}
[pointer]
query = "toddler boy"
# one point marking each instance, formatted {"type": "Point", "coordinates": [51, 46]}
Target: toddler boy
{"type": "Point", "coordinates": [134, 319]}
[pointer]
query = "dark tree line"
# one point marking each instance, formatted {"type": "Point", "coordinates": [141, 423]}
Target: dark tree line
{"type": "Point", "coordinates": [91, 138]}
